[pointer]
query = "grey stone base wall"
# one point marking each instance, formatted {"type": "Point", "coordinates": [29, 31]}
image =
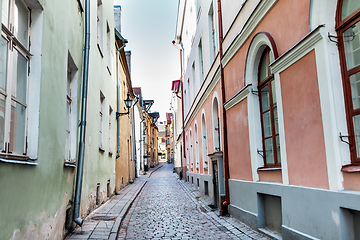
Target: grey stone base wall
{"type": "Point", "coordinates": [307, 213]}
{"type": "Point", "coordinates": [194, 177]}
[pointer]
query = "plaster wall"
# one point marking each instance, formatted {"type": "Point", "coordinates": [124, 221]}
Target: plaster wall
{"type": "Point", "coordinates": [47, 187]}
{"type": "Point", "coordinates": [238, 142]}
{"type": "Point", "coordinates": [99, 163]}
{"type": "Point", "coordinates": [202, 178]}
{"type": "Point", "coordinates": [305, 146]}
{"type": "Point", "coordinates": [125, 168]}
{"type": "Point", "coordinates": [307, 213]}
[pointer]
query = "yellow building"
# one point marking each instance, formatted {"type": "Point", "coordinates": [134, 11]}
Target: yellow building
{"type": "Point", "coordinates": [124, 166]}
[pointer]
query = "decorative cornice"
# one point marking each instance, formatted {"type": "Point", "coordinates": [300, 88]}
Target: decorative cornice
{"type": "Point", "coordinates": [297, 51]}
{"type": "Point", "coordinates": [203, 98]}
{"type": "Point", "coordinates": [256, 17]}
{"type": "Point", "coordinates": [238, 97]}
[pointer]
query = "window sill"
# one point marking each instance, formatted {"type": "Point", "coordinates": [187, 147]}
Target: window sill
{"type": "Point", "coordinates": [70, 163]}
{"type": "Point", "coordinates": [350, 168]}
{"type": "Point", "coordinates": [269, 168]}
{"type": "Point", "coordinates": [25, 161]}
{"type": "Point", "coordinates": [101, 150]}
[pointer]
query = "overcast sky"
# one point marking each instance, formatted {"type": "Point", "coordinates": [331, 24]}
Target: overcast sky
{"type": "Point", "coordinates": [149, 26]}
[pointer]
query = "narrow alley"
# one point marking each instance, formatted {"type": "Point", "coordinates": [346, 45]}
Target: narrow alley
{"type": "Point", "coordinates": [167, 209]}
{"type": "Point", "coordinates": [160, 206]}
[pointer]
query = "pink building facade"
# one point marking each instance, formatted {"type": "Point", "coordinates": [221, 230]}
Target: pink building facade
{"type": "Point", "coordinates": [272, 125]}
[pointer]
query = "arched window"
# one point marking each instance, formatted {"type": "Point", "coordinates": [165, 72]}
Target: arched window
{"type": "Point", "coordinates": [348, 30]}
{"type": "Point", "coordinates": [216, 125]}
{"type": "Point", "coordinates": [197, 147]}
{"type": "Point", "coordinates": [204, 143]}
{"type": "Point", "coordinates": [191, 152]}
{"type": "Point", "coordinates": [187, 152]}
{"type": "Point", "coordinates": [268, 111]}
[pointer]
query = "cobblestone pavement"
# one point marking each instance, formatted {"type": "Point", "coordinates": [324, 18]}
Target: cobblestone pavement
{"type": "Point", "coordinates": [168, 208]}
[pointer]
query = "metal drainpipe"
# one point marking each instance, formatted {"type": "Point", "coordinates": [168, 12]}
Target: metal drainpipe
{"type": "Point", "coordinates": [222, 82]}
{"type": "Point", "coordinates": [80, 165]}
{"type": "Point", "coordinates": [118, 98]}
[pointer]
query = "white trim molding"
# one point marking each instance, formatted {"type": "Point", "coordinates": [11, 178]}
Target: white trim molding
{"type": "Point", "coordinates": [238, 97]}
{"type": "Point", "coordinates": [203, 98]}
{"type": "Point", "coordinates": [256, 17]}
{"type": "Point", "coordinates": [297, 52]}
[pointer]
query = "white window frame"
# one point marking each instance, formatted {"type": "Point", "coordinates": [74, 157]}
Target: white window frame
{"type": "Point", "coordinates": [110, 130]}
{"type": "Point", "coordinates": [100, 27]}
{"type": "Point", "coordinates": [102, 121]}
{"type": "Point", "coordinates": [204, 141]}
{"type": "Point", "coordinates": [108, 48]}
{"type": "Point", "coordinates": [71, 112]}
{"type": "Point", "coordinates": [32, 99]}
{"type": "Point", "coordinates": [197, 157]}
{"type": "Point", "coordinates": [212, 33]}
{"type": "Point", "coordinates": [201, 62]}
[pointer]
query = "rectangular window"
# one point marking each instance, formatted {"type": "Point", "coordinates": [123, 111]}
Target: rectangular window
{"type": "Point", "coordinates": [201, 62]}
{"type": "Point", "coordinates": [193, 81]}
{"type": "Point", "coordinates": [198, 10]}
{"type": "Point", "coordinates": [71, 112]}
{"type": "Point", "coordinates": [14, 71]}
{"type": "Point", "coordinates": [101, 128]}
{"type": "Point", "coordinates": [108, 48]}
{"type": "Point", "coordinates": [212, 34]}
{"type": "Point", "coordinates": [99, 27]}
{"type": "Point", "coordinates": [110, 129]}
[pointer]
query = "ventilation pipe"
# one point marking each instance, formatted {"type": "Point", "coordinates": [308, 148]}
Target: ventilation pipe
{"type": "Point", "coordinates": [80, 164]}
{"type": "Point", "coordinates": [222, 83]}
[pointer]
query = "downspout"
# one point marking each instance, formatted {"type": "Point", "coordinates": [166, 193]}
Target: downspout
{"type": "Point", "coordinates": [222, 83]}
{"type": "Point", "coordinates": [182, 110]}
{"type": "Point", "coordinates": [118, 97]}
{"type": "Point", "coordinates": [80, 165]}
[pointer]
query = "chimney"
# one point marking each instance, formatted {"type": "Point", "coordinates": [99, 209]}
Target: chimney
{"type": "Point", "coordinates": [128, 60]}
{"type": "Point", "coordinates": [117, 18]}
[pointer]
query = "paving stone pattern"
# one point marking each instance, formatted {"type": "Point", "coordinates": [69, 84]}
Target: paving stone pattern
{"type": "Point", "coordinates": [169, 208]}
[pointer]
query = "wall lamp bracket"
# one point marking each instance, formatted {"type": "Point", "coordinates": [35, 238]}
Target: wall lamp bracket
{"type": "Point", "coordinates": [332, 38]}
{"type": "Point", "coordinates": [341, 139]}
{"type": "Point", "coordinates": [128, 103]}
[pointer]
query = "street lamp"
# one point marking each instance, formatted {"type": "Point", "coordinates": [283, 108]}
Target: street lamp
{"type": "Point", "coordinates": [128, 103]}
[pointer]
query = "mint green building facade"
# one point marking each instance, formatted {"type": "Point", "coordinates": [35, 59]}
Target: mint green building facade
{"type": "Point", "coordinates": [41, 57]}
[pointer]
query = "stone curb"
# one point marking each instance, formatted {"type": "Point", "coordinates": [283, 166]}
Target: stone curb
{"type": "Point", "coordinates": [115, 229]}
{"type": "Point", "coordinates": [159, 166]}
{"type": "Point", "coordinates": [241, 232]}
{"type": "Point", "coordinates": [112, 234]}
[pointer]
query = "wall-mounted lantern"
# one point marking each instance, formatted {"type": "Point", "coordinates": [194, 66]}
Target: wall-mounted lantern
{"type": "Point", "coordinates": [128, 103]}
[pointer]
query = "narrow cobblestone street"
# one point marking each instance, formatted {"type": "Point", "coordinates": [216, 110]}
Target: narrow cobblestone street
{"type": "Point", "coordinates": [166, 210]}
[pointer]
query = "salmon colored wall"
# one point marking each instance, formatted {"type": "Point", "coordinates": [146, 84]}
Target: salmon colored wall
{"type": "Point", "coordinates": [287, 23]}
{"type": "Point", "coordinates": [238, 142]}
{"type": "Point", "coordinates": [270, 175]}
{"type": "Point", "coordinates": [207, 106]}
{"type": "Point", "coordinates": [234, 72]}
{"type": "Point", "coordinates": [304, 136]}
{"type": "Point", "coordinates": [351, 181]}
